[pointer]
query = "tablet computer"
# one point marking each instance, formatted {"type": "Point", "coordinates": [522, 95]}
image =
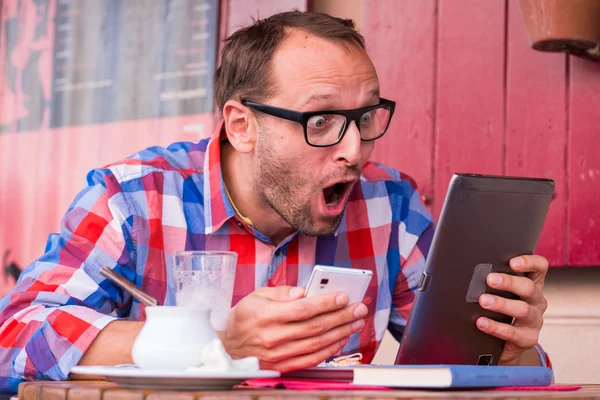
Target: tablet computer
{"type": "Point", "coordinates": [485, 221]}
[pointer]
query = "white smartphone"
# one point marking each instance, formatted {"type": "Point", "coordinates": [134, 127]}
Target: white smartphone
{"type": "Point", "coordinates": [353, 282]}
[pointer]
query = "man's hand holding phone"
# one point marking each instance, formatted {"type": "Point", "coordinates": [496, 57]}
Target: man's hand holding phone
{"type": "Point", "coordinates": [287, 331]}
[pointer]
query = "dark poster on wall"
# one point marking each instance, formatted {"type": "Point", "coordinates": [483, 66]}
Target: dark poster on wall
{"type": "Point", "coordinates": [78, 62]}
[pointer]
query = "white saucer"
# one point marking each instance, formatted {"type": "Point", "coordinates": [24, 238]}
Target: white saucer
{"type": "Point", "coordinates": [136, 378]}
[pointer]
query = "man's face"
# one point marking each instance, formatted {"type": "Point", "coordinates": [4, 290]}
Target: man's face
{"type": "Point", "coordinates": [309, 186]}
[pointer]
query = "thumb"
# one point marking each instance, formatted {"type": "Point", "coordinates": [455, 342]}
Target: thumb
{"type": "Point", "coordinates": [281, 293]}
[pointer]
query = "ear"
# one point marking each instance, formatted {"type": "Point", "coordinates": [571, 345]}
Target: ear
{"type": "Point", "coordinates": [240, 126]}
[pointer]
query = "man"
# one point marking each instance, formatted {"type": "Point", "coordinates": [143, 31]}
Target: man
{"type": "Point", "coordinates": [283, 182]}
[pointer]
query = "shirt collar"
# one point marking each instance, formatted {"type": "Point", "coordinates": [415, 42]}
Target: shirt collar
{"type": "Point", "coordinates": [217, 207]}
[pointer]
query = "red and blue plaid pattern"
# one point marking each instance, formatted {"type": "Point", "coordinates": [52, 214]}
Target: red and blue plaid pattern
{"type": "Point", "coordinates": [135, 213]}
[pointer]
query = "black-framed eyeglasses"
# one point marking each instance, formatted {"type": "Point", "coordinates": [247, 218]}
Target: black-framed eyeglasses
{"type": "Point", "coordinates": [327, 128]}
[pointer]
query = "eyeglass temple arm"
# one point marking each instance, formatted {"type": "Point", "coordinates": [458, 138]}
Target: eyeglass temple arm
{"type": "Point", "coordinates": [277, 112]}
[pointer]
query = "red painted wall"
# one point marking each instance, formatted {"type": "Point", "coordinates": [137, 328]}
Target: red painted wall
{"type": "Point", "coordinates": [472, 96]}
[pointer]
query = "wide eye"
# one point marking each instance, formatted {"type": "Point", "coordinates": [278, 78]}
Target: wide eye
{"type": "Point", "coordinates": [318, 121]}
{"type": "Point", "coordinates": [366, 118]}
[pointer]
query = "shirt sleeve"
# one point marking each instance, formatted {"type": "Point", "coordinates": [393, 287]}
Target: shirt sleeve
{"type": "Point", "coordinates": [61, 302]}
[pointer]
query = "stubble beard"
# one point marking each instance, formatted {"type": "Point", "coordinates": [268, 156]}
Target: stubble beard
{"type": "Point", "coordinates": [277, 183]}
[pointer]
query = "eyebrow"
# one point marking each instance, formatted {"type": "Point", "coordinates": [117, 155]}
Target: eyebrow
{"type": "Point", "coordinates": [324, 97]}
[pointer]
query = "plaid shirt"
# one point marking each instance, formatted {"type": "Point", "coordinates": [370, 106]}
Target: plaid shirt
{"type": "Point", "coordinates": [135, 213]}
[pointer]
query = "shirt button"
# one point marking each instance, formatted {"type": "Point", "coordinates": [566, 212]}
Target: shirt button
{"type": "Point", "coordinates": [277, 252]}
{"type": "Point", "coordinates": [240, 225]}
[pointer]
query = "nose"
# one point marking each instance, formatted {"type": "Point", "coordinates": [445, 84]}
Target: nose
{"type": "Point", "coordinates": [348, 150]}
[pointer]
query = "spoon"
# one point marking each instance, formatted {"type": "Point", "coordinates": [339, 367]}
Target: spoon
{"type": "Point", "coordinates": [129, 287]}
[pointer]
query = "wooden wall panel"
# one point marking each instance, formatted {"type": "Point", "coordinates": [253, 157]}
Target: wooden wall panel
{"type": "Point", "coordinates": [402, 46]}
{"type": "Point", "coordinates": [70, 150]}
{"type": "Point", "coordinates": [10, 192]}
{"type": "Point", "coordinates": [31, 203]}
{"type": "Point", "coordinates": [470, 91]}
{"type": "Point", "coordinates": [12, 197]}
{"type": "Point", "coordinates": [536, 125]}
{"type": "Point", "coordinates": [5, 190]}
{"type": "Point", "coordinates": [47, 216]}
{"type": "Point", "coordinates": [20, 200]}
{"type": "Point", "coordinates": [471, 96]}
{"type": "Point", "coordinates": [584, 164]}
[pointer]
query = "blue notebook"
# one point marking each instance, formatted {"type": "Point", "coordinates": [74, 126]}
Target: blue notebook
{"type": "Point", "coordinates": [450, 376]}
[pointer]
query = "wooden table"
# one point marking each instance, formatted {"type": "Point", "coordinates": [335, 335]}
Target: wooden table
{"type": "Point", "coordinates": [95, 390]}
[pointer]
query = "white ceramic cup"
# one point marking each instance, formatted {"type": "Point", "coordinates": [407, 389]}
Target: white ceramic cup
{"type": "Point", "coordinates": [173, 337]}
{"type": "Point", "coordinates": [206, 279]}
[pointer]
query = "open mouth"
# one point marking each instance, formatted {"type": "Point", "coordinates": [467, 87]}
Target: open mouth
{"type": "Point", "coordinates": [333, 194]}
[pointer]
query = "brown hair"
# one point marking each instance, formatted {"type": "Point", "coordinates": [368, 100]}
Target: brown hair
{"type": "Point", "coordinates": [245, 61]}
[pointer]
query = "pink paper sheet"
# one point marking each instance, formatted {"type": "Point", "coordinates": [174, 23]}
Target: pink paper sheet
{"type": "Point", "coordinates": [323, 384]}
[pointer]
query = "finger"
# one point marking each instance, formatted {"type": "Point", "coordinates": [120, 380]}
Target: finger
{"type": "Point", "coordinates": [307, 360]}
{"type": "Point", "coordinates": [522, 286]}
{"type": "Point", "coordinates": [313, 344]}
{"type": "Point", "coordinates": [325, 322]}
{"type": "Point", "coordinates": [280, 293]}
{"type": "Point", "coordinates": [514, 308]}
{"type": "Point", "coordinates": [315, 326]}
{"type": "Point", "coordinates": [305, 308]}
{"type": "Point", "coordinates": [521, 337]}
{"type": "Point", "coordinates": [534, 264]}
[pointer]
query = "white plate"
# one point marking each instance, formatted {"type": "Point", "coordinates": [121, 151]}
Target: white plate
{"type": "Point", "coordinates": [133, 377]}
